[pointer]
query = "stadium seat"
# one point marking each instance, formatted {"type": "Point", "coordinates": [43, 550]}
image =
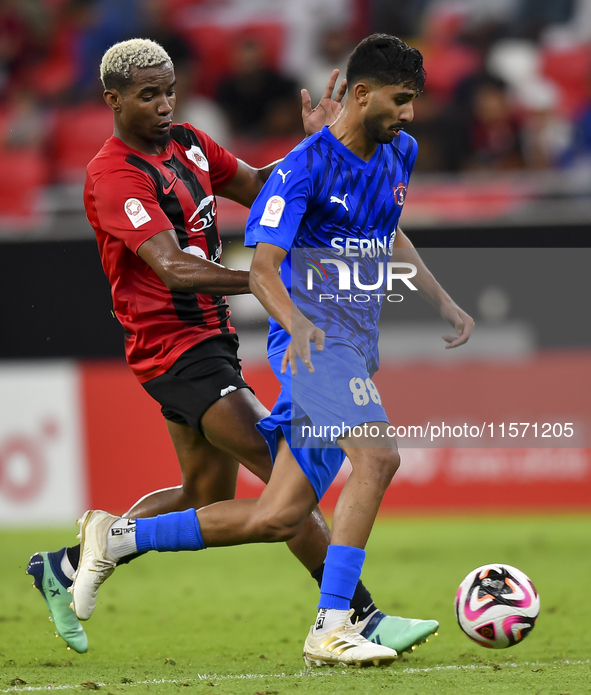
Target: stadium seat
{"type": "Point", "coordinates": [78, 134]}
{"type": "Point", "coordinates": [570, 69]}
{"type": "Point", "coordinates": [212, 44]}
{"type": "Point", "coordinates": [55, 72]}
{"type": "Point", "coordinates": [23, 173]}
{"type": "Point", "coordinates": [446, 66]}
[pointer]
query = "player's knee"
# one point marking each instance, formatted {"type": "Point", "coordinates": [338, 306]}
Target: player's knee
{"type": "Point", "coordinates": [277, 526]}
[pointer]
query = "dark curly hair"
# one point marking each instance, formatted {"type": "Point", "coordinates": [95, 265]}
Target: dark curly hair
{"type": "Point", "coordinates": [386, 60]}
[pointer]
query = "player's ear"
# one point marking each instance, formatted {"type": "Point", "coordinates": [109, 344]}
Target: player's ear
{"type": "Point", "coordinates": [361, 93]}
{"type": "Point", "coordinates": [113, 99]}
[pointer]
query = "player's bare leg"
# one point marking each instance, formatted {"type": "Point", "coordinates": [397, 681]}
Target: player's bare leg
{"type": "Point", "coordinates": [239, 412]}
{"type": "Point", "coordinates": [278, 515]}
{"type": "Point", "coordinates": [373, 466]}
{"type": "Point", "coordinates": [209, 475]}
{"type": "Point", "coordinates": [372, 471]}
{"type": "Point", "coordinates": [209, 467]}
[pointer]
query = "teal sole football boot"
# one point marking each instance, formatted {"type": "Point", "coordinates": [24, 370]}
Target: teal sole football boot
{"type": "Point", "coordinates": [401, 634]}
{"type": "Point", "coordinates": [50, 582]}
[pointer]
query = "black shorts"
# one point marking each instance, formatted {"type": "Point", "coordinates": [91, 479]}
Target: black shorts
{"type": "Point", "coordinates": [201, 376]}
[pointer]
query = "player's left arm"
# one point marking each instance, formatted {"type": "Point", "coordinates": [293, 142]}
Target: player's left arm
{"type": "Point", "coordinates": [431, 290]}
{"type": "Point", "coordinates": [248, 181]}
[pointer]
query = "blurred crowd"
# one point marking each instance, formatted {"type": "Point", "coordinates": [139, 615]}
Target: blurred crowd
{"type": "Point", "coordinates": [508, 81]}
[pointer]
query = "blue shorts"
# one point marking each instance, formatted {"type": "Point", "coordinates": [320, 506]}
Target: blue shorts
{"type": "Point", "coordinates": [314, 410]}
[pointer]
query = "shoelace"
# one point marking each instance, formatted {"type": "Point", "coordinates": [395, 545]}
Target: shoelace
{"type": "Point", "coordinates": [352, 635]}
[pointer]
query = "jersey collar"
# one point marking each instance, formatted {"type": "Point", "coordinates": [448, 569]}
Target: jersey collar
{"type": "Point", "coordinates": [350, 156]}
{"type": "Point", "coordinates": [162, 157]}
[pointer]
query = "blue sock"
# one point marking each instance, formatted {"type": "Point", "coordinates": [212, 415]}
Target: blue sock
{"type": "Point", "coordinates": [169, 532]}
{"type": "Point", "coordinates": [342, 569]}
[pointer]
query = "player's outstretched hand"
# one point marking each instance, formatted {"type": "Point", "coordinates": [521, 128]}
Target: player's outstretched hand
{"type": "Point", "coordinates": [301, 337]}
{"type": "Point", "coordinates": [461, 321]}
{"type": "Point", "coordinates": [328, 109]}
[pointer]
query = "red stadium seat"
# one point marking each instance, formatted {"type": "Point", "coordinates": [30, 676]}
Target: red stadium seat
{"type": "Point", "coordinates": [570, 69]}
{"type": "Point", "coordinates": [56, 71]}
{"type": "Point", "coordinates": [23, 173]}
{"type": "Point", "coordinates": [78, 134]}
{"type": "Point", "coordinates": [271, 35]}
{"type": "Point", "coordinates": [213, 43]}
{"type": "Point", "coordinates": [446, 66]}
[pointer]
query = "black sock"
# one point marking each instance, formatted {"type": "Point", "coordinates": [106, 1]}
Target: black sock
{"type": "Point", "coordinates": [362, 602]}
{"type": "Point", "coordinates": [128, 558]}
{"type": "Point", "coordinates": [73, 554]}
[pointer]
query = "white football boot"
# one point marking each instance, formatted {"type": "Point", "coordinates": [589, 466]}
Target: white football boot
{"type": "Point", "coordinates": [96, 565]}
{"type": "Point", "coordinates": [344, 645]}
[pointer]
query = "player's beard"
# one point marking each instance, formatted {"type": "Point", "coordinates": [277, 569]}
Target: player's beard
{"type": "Point", "coordinates": [374, 127]}
{"type": "Point", "coordinates": [162, 141]}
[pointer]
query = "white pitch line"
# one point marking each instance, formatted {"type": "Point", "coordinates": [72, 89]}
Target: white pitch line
{"type": "Point", "coordinates": [300, 674]}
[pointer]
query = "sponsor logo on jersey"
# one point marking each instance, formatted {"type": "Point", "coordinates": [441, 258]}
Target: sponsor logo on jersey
{"type": "Point", "coordinates": [206, 211]}
{"type": "Point", "coordinates": [273, 211]}
{"type": "Point", "coordinates": [136, 212]}
{"type": "Point", "coordinates": [400, 193]}
{"type": "Point", "coordinates": [354, 247]}
{"type": "Point", "coordinates": [334, 199]}
{"type": "Point", "coordinates": [227, 390]}
{"type": "Point", "coordinates": [195, 154]}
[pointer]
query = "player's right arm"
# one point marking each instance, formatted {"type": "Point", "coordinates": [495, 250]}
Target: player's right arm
{"type": "Point", "coordinates": [268, 288]}
{"type": "Point", "coordinates": [272, 227]}
{"type": "Point", "coordinates": [124, 204]}
{"type": "Point", "coordinates": [183, 272]}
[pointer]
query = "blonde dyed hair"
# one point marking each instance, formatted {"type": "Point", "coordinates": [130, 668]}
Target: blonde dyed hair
{"type": "Point", "coordinates": [118, 61]}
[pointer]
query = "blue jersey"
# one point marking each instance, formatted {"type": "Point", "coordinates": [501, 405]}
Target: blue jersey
{"type": "Point", "coordinates": [336, 215]}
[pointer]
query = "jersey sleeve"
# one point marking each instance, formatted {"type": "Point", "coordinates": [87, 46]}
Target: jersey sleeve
{"type": "Point", "coordinates": [222, 164]}
{"type": "Point", "coordinates": [278, 209]}
{"type": "Point", "coordinates": [126, 206]}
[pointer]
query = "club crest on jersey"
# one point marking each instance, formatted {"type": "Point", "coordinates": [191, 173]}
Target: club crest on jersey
{"type": "Point", "coordinates": [400, 193]}
{"type": "Point", "coordinates": [195, 154]}
{"type": "Point", "coordinates": [136, 212]}
{"type": "Point", "coordinates": [273, 211]}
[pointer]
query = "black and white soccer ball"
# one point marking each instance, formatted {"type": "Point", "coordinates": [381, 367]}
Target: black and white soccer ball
{"type": "Point", "coordinates": [497, 606]}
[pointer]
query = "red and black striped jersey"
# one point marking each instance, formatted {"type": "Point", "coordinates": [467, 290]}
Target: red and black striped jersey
{"type": "Point", "coordinates": [129, 197]}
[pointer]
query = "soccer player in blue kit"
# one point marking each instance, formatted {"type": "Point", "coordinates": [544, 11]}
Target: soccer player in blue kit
{"type": "Point", "coordinates": [335, 199]}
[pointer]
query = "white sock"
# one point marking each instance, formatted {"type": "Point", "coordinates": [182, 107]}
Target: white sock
{"type": "Point", "coordinates": [121, 539]}
{"type": "Point", "coordinates": [327, 619]}
{"type": "Point", "coordinates": [66, 566]}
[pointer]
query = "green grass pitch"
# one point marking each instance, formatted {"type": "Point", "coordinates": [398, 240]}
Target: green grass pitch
{"type": "Point", "coordinates": [233, 620]}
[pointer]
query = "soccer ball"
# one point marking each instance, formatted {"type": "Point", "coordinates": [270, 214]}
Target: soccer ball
{"type": "Point", "coordinates": [497, 606]}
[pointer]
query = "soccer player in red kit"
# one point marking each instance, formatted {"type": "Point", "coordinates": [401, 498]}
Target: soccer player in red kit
{"type": "Point", "coordinates": [150, 196]}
